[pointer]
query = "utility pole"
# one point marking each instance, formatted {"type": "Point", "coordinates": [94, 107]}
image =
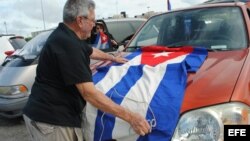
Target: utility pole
{"type": "Point", "coordinates": [44, 27]}
{"type": "Point", "coordinates": [5, 24]}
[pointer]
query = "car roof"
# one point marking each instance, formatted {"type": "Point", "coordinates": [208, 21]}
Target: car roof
{"type": "Point", "coordinates": [224, 1]}
{"type": "Point", "coordinates": [2, 35]}
{"type": "Point", "coordinates": [206, 5]}
{"type": "Point", "coordinates": [125, 19]}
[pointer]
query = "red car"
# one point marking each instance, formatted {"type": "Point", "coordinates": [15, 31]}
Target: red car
{"type": "Point", "coordinates": [218, 93]}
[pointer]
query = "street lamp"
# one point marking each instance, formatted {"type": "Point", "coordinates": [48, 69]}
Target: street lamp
{"type": "Point", "coordinates": [5, 24]}
{"type": "Point", "coordinates": [43, 15]}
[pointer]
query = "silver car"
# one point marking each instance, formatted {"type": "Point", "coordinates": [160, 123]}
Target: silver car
{"type": "Point", "coordinates": [17, 75]}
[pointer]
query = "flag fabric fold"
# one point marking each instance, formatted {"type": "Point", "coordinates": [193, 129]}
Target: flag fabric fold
{"type": "Point", "coordinates": [152, 83]}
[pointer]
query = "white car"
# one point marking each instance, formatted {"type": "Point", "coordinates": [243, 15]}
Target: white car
{"type": "Point", "coordinates": [8, 44]}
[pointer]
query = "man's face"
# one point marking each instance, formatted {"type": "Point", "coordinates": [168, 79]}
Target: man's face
{"type": "Point", "coordinates": [87, 24]}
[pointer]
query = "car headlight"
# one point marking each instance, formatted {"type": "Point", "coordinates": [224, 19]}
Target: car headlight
{"type": "Point", "coordinates": [208, 123]}
{"type": "Point", "coordinates": [13, 91]}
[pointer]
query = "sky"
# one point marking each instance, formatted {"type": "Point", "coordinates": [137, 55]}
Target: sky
{"type": "Point", "coordinates": [21, 17]}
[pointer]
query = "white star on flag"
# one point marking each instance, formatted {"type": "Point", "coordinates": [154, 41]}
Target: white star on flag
{"type": "Point", "coordinates": [161, 54]}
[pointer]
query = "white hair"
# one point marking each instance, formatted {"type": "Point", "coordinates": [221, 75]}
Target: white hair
{"type": "Point", "coordinates": [74, 8]}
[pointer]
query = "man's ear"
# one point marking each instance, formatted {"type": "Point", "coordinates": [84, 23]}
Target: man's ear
{"type": "Point", "coordinates": [79, 21]}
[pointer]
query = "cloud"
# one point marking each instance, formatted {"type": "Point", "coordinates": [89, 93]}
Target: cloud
{"type": "Point", "coordinates": [52, 10]}
{"type": "Point", "coordinates": [25, 16]}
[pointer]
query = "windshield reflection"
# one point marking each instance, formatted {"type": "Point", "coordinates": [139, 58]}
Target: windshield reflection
{"type": "Point", "coordinates": [33, 48]}
{"type": "Point", "coordinates": [220, 28]}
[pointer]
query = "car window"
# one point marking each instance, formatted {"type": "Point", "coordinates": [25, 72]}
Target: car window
{"type": "Point", "coordinates": [17, 42]}
{"type": "Point", "coordinates": [122, 29]}
{"type": "Point", "coordinates": [214, 28]}
{"type": "Point", "coordinates": [33, 48]}
{"type": "Point", "coordinates": [5, 44]}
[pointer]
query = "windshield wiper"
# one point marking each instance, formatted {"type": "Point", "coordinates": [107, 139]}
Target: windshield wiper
{"type": "Point", "coordinates": [9, 58]}
{"type": "Point", "coordinates": [175, 46]}
{"type": "Point", "coordinates": [135, 47]}
{"type": "Point", "coordinates": [17, 56]}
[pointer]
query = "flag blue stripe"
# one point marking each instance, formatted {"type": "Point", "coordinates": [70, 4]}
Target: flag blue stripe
{"type": "Point", "coordinates": [132, 76]}
{"type": "Point", "coordinates": [166, 103]}
{"type": "Point", "coordinates": [96, 40]}
{"type": "Point", "coordinates": [102, 71]}
{"type": "Point", "coordinates": [196, 58]}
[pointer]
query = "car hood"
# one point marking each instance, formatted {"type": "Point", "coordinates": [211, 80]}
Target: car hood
{"type": "Point", "coordinates": [215, 81]}
{"type": "Point", "coordinates": [17, 75]}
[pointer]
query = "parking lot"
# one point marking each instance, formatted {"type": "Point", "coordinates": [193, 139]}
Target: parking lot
{"type": "Point", "coordinates": [13, 130]}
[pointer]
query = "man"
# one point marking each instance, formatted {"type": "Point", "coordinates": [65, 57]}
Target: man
{"type": "Point", "coordinates": [64, 81]}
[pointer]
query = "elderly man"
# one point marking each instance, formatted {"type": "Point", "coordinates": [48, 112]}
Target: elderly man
{"type": "Point", "coordinates": [63, 82]}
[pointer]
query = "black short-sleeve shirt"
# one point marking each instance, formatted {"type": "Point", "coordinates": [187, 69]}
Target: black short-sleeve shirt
{"type": "Point", "coordinates": [64, 62]}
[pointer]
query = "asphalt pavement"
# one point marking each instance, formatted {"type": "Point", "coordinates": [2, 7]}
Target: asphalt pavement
{"type": "Point", "coordinates": [13, 130]}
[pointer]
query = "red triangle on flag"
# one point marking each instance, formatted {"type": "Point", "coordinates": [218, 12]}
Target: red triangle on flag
{"type": "Point", "coordinates": [104, 37]}
{"type": "Point", "coordinates": [154, 55]}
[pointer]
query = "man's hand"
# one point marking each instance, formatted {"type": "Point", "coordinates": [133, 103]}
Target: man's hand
{"type": "Point", "coordinates": [139, 124]}
{"type": "Point", "coordinates": [119, 59]}
{"type": "Point", "coordinates": [100, 55]}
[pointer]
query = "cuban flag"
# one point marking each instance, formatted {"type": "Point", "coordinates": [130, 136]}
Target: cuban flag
{"type": "Point", "coordinates": [152, 83]}
{"type": "Point", "coordinates": [101, 41]}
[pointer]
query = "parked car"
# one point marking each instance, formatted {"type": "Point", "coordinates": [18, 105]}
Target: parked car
{"type": "Point", "coordinates": [9, 43]}
{"type": "Point", "coordinates": [17, 75]}
{"type": "Point", "coordinates": [217, 94]}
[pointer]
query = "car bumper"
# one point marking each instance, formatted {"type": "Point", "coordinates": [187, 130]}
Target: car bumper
{"type": "Point", "coordinates": [12, 108]}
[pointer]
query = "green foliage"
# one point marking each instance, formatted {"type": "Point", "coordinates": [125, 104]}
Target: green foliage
{"type": "Point", "coordinates": [28, 38]}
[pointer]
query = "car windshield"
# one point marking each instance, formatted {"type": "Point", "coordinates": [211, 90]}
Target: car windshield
{"type": "Point", "coordinates": [220, 28]}
{"type": "Point", "coordinates": [122, 29]}
{"type": "Point", "coordinates": [33, 48]}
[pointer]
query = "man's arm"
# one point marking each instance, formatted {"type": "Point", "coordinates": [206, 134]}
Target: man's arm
{"type": "Point", "coordinates": [100, 55]}
{"type": "Point", "coordinates": [100, 101]}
